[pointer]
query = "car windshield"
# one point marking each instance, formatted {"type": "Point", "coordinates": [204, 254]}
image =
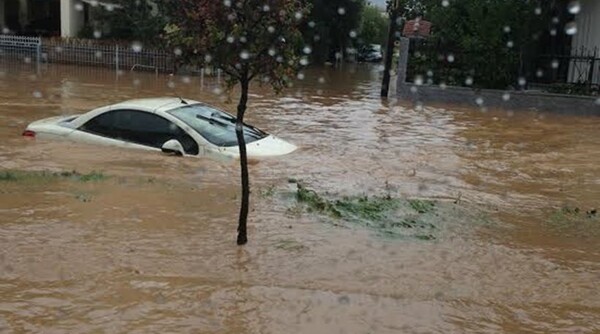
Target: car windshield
{"type": "Point", "coordinates": [216, 126]}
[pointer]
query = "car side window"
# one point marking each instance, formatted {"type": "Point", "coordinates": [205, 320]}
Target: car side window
{"type": "Point", "coordinates": [139, 127]}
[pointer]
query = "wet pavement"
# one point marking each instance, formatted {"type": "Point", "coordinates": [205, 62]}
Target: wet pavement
{"type": "Point", "coordinates": [152, 248]}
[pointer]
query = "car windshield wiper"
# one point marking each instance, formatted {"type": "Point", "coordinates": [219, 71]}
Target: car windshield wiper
{"type": "Point", "coordinates": [212, 120]}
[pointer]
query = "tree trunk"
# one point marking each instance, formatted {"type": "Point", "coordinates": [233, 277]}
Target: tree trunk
{"type": "Point", "coordinates": [242, 237]}
{"type": "Point", "coordinates": [389, 53]}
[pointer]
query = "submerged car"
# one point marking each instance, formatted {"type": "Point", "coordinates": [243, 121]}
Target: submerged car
{"type": "Point", "coordinates": [172, 125]}
{"type": "Point", "coordinates": [371, 53]}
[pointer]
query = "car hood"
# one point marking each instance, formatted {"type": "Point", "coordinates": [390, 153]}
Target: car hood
{"type": "Point", "coordinates": [269, 146]}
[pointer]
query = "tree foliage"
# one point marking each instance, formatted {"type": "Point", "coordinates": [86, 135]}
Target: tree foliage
{"type": "Point", "coordinates": [373, 26]}
{"type": "Point", "coordinates": [488, 41]}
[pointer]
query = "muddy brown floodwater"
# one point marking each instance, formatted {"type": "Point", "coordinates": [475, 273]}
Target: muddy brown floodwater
{"type": "Point", "coordinates": [151, 249]}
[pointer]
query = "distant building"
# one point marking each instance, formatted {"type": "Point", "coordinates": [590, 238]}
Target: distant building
{"type": "Point", "coordinates": [586, 41]}
{"type": "Point", "coordinates": [63, 18]}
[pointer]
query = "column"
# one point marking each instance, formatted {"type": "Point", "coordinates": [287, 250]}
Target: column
{"type": "Point", "coordinates": [402, 63]}
{"type": "Point", "coordinates": [2, 15]}
{"type": "Point", "coordinates": [71, 19]}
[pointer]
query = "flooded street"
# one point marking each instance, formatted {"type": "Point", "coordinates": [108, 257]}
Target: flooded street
{"type": "Point", "coordinates": [151, 249]}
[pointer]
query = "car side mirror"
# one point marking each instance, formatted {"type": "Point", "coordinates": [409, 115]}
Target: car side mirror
{"type": "Point", "coordinates": [173, 146]}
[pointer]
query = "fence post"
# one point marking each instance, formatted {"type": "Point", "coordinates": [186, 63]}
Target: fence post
{"type": "Point", "coordinates": [402, 63]}
{"type": "Point", "coordinates": [117, 58]}
{"type": "Point", "coordinates": [591, 70]}
{"type": "Point", "coordinates": [39, 51]}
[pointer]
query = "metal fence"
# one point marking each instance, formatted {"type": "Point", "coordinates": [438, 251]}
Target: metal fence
{"type": "Point", "coordinates": [120, 56]}
{"type": "Point", "coordinates": [28, 49]}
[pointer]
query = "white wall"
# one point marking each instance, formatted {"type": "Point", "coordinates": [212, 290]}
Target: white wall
{"type": "Point", "coordinates": [588, 33]}
{"type": "Point", "coordinates": [71, 20]}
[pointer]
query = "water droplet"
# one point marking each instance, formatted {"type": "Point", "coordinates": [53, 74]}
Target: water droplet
{"type": "Point", "coordinates": [266, 8]}
{"type": "Point", "coordinates": [98, 54]}
{"type": "Point", "coordinates": [178, 52]}
{"type": "Point", "coordinates": [243, 39]}
{"type": "Point", "coordinates": [37, 94]}
{"type": "Point", "coordinates": [506, 29]}
{"type": "Point", "coordinates": [304, 61]}
{"type": "Point", "coordinates": [352, 34]}
{"type": "Point", "coordinates": [522, 81]}
{"type": "Point", "coordinates": [414, 89]}
{"type": "Point", "coordinates": [555, 20]}
{"type": "Point", "coordinates": [418, 80]}
{"type": "Point", "coordinates": [5, 30]}
{"type": "Point", "coordinates": [272, 52]}
{"type": "Point", "coordinates": [78, 7]}
{"type": "Point", "coordinates": [217, 91]}
{"type": "Point", "coordinates": [574, 7]}
{"type": "Point", "coordinates": [307, 50]}
{"type": "Point", "coordinates": [136, 46]}
{"type": "Point", "coordinates": [538, 11]}
{"type": "Point", "coordinates": [571, 28]}
{"type": "Point", "coordinates": [553, 32]}
{"type": "Point", "coordinates": [171, 84]}
{"type": "Point", "coordinates": [506, 96]}
{"type": "Point", "coordinates": [245, 55]}
{"type": "Point", "coordinates": [510, 44]}
{"type": "Point", "coordinates": [341, 11]}
{"type": "Point", "coordinates": [136, 82]}
{"type": "Point", "coordinates": [469, 81]}
{"type": "Point", "coordinates": [186, 80]}
{"type": "Point", "coordinates": [298, 16]}
{"type": "Point", "coordinates": [109, 7]}
{"type": "Point", "coordinates": [207, 58]}
{"type": "Point", "coordinates": [430, 73]}
{"type": "Point", "coordinates": [227, 3]}
{"type": "Point", "coordinates": [443, 85]}
{"type": "Point", "coordinates": [271, 29]}
{"type": "Point", "coordinates": [555, 64]}
{"type": "Point", "coordinates": [300, 76]}
{"type": "Point", "coordinates": [450, 58]}
{"type": "Point", "coordinates": [230, 39]}
{"type": "Point", "coordinates": [27, 60]}
{"type": "Point", "coordinates": [312, 24]}
{"type": "Point", "coordinates": [97, 33]}
{"type": "Point", "coordinates": [94, 3]}
{"type": "Point", "coordinates": [539, 73]}
{"type": "Point", "coordinates": [321, 80]}
{"type": "Point", "coordinates": [598, 101]}
{"type": "Point", "coordinates": [445, 3]}
{"type": "Point", "coordinates": [479, 101]}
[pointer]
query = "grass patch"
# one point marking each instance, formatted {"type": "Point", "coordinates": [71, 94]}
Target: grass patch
{"type": "Point", "coordinates": [574, 221]}
{"type": "Point", "coordinates": [385, 215]}
{"type": "Point", "coordinates": [43, 176]}
{"type": "Point", "coordinates": [290, 245]}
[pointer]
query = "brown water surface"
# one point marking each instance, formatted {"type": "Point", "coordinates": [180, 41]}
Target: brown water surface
{"type": "Point", "coordinates": [151, 249]}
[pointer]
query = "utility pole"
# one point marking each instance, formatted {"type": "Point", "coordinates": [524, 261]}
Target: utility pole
{"type": "Point", "coordinates": [389, 50]}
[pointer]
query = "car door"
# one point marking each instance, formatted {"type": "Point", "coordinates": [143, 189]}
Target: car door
{"type": "Point", "coordinates": [137, 129]}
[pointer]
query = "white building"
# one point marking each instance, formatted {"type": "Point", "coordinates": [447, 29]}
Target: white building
{"type": "Point", "coordinates": [48, 17]}
{"type": "Point", "coordinates": [586, 40]}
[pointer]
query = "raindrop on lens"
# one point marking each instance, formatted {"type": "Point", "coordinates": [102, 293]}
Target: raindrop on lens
{"type": "Point", "coordinates": [443, 85]}
{"type": "Point", "coordinates": [468, 81]}
{"type": "Point", "coordinates": [321, 80]}
{"type": "Point", "coordinates": [307, 50]}
{"type": "Point", "coordinates": [510, 44]}
{"type": "Point", "coordinates": [555, 64]}
{"type": "Point", "coordinates": [37, 94]}
{"type": "Point", "coordinates": [94, 3]}
{"type": "Point", "coordinates": [352, 34]}
{"type": "Point", "coordinates": [300, 76]}
{"type": "Point", "coordinates": [539, 73]}
{"type": "Point", "coordinates": [136, 82]}
{"type": "Point", "coordinates": [445, 3]}
{"type": "Point", "coordinates": [98, 54]}
{"type": "Point", "coordinates": [78, 7]}
{"type": "Point", "coordinates": [186, 80]}
{"type": "Point", "coordinates": [245, 55]}
{"type": "Point", "coordinates": [271, 29]}
{"type": "Point", "coordinates": [571, 28]}
{"type": "Point", "coordinates": [419, 80]}
{"type": "Point", "coordinates": [341, 10]}
{"type": "Point", "coordinates": [110, 7]}
{"type": "Point", "coordinates": [479, 101]}
{"type": "Point", "coordinates": [506, 96]}
{"type": "Point", "coordinates": [207, 58]}
{"type": "Point", "coordinates": [574, 7]}
{"type": "Point", "coordinates": [506, 29]}
{"type": "Point", "coordinates": [136, 46]}
{"type": "Point", "coordinates": [598, 101]}
{"type": "Point", "coordinates": [171, 84]}
{"type": "Point", "coordinates": [450, 58]}
{"type": "Point", "coordinates": [227, 3]}
{"type": "Point", "coordinates": [430, 73]}
{"type": "Point", "coordinates": [298, 15]}
{"type": "Point", "coordinates": [5, 30]}
{"type": "Point", "coordinates": [538, 11]}
{"type": "Point", "coordinates": [312, 24]}
{"type": "Point", "coordinates": [304, 61]}
{"type": "Point", "coordinates": [97, 34]}
{"type": "Point", "coordinates": [414, 89]}
{"type": "Point", "coordinates": [217, 91]}
{"type": "Point", "coordinates": [553, 32]}
{"type": "Point", "coordinates": [272, 52]}
{"type": "Point", "coordinates": [522, 81]}
{"type": "Point", "coordinates": [177, 52]}
{"type": "Point", "coordinates": [230, 39]}
{"type": "Point", "coordinates": [266, 8]}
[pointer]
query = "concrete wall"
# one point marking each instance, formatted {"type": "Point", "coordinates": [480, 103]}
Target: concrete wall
{"type": "Point", "coordinates": [588, 34]}
{"type": "Point", "coordinates": [71, 19]}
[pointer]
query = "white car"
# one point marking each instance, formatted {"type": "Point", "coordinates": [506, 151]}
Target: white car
{"type": "Point", "coordinates": [172, 125]}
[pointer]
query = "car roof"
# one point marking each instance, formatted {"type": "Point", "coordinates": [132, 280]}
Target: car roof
{"type": "Point", "coordinates": [153, 104]}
